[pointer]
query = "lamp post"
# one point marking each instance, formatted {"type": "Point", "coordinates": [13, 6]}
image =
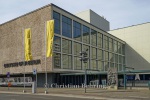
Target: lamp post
{"type": "Point", "coordinates": [84, 58]}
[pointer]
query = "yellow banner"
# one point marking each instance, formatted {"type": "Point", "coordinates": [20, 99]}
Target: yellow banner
{"type": "Point", "coordinates": [49, 37]}
{"type": "Point", "coordinates": [27, 44]}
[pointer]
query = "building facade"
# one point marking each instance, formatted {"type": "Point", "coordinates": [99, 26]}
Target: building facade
{"type": "Point", "coordinates": [137, 47]}
{"type": "Point", "coordinates": [71, 36]}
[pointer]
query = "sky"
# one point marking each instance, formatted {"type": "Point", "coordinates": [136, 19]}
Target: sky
{"type": "Point", "coordinates": [120, 13]}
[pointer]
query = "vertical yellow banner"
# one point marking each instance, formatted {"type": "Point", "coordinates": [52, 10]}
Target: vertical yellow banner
{"type": "Point", "coordinates": [49, 37]}
{"type": "Point", "coordinates": [27, 44]}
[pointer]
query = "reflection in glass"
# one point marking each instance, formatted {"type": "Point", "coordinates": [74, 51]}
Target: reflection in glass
{"type": "Point", "coordinates": [106, 65]}
{"type": "Point", "coordinates": [56, 17]}
{"type": "Point", "coordinates": [99, 40]}
{"type": "Point", "coordinates": [93, 53]}
{"type": "Point", "coordinates": [106, 42]}
{"type": "Point", "coordinates": [77, 48]}
{"type": "Point", "coordinates": [93, 64]}
{"type": "Point", "coordinates": [77, 31]}
{"type": "Point", "coordinates": [116, 58]}
{"type": "Point", "coordinates": [67, 61]}
{"type": "Point", "coordinates": [100, 65]}
{"type": "Point", "coordinates": [106, 56]}
{"type": "Point", "coordinates": [57, 60]}
{"type": "Point", "coordinates": [77, 63]}
{"type": "Point", "coordinates": [99, 54]}
{"type": "Point", "coordinates": [86, 48]}
{"type": "Point", "coordinates": [86, 34]}
{"type": "Point", "coordinates": [110, 44]}
{"type": "Point", "coordinates": [57, 44]}
{"type": "Point", "coordinates": [93, 37]}
{"type": "Point", "coordinates": [66, 46]}
{"type": "Point", "coordinates": [66, 26]}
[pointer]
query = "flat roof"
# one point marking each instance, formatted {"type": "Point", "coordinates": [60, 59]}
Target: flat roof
{"type": "Point", "coordinates": [131, 26]}
{"type": "Point", "coordinates": [51, 4]}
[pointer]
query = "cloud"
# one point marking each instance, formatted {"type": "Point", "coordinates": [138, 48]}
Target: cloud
{"type": "Point", "coordinates": [120, 13]}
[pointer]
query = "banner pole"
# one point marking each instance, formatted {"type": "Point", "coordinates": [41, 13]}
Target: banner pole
{"type": "Point", "coordinates": [45, 62]}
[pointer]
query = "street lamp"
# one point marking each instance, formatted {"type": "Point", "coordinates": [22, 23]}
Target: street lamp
{"type": "Point", "coordinates": [84, 58]}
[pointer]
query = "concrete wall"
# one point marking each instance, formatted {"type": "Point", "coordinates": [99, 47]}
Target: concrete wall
{"type": "Point", "coordinates": [12, 41]}
{"type": "Point", "coordinates": [95, 19]}
{"type": "Point", "coordinates": [138, 45]}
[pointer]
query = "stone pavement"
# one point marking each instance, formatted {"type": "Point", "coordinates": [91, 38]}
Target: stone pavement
{"type": "Point", "coordinates": [134, 94]}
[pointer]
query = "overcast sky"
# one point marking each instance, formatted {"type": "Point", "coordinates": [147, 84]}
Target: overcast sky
{"type": "Point", "coordinates": [120, 13]}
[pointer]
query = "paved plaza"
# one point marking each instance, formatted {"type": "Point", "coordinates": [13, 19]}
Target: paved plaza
{"type": "Point", "coordinates": [92, 93]}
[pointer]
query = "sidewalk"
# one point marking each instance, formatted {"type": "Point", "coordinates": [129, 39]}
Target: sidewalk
{"type": "Point", "coordinates": [91, 93]}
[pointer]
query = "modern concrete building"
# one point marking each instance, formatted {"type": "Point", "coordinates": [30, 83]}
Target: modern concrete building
{"type": "Point", "coordinates": [72, 35]}
{"type": "Point", "coordinates": [94, 19]}
{"type": "Point", "coordinates": [137, 48]}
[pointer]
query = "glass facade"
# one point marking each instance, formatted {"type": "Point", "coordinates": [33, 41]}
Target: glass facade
{"type": "Point", "coordinates": [72, 37]}
{"type": "Point", "coordinates": [77, 31]}
{"type": "Point", "coordinates": [56, 17]}
{"type": "Point", "coordinates": [86, 34]}
{"type": "Point", "coordinates": [66, 26]}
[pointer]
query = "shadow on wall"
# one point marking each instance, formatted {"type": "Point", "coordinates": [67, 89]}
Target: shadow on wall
{"type": "Point", "coordinates": [134, 59]}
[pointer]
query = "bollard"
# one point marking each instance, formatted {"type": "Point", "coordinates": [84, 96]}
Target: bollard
{"type": "Point", "coordinates": [149, 85]}
{"type": "Point", "coordinates": [33, 87]}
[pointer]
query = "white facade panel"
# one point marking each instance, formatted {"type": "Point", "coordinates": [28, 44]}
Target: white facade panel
{"type": "Point", "coordinates": [137, 39]}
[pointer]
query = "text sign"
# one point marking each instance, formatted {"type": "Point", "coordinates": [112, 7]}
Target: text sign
{"type": "Point", "coordinates": [8, 74]}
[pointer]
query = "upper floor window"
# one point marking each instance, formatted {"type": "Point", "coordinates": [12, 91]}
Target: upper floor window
{"type": "Point", "coordinates": [77, 31]}
{"type": "Point", "coordinates": [93, 37]}
{"type": "Point", "coordinates": [56, 17]}
{"type": "Point", "coordinates": [86, 34]}
{"type": "Point", "coordinates": [66, 26]}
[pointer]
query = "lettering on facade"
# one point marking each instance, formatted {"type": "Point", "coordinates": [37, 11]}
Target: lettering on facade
{"type": "Point", "coordinates": [23, 63]}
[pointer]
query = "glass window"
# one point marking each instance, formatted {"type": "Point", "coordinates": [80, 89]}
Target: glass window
{"type": "Point", "coordinates": [93, 64]}
{"type": "Point", "coordinates": [77, 48]}
{"type": "Point", "coordinates": [86, 48]}
{"type": "Point", "coordinates": [106, 42]}
{"type": "Point", "coordinates": [123, 49]}
{"type": "Point", "coordinates": [56, 17]}
{"type": "Point", "coordinates": [110, 44]}
{"type": "Point", "coordinates": [111, 57]}
{"type": "Point", "coordinates": [67, 62]}
{"type": "Point", "coordinates": [123, 59]}
{"type": "Point", "coordinates": [77, 63]}
{"type": "Point", "coordinates": [100, 65]}
{"type": "Point", "coordinates": [99, 54]}
{"type": "Point", "coordinates": [116, 65]}
{"type": "Point", "coordinates": [99, 40]}
{"type": "Point", "coordinates": [86, 34]}
{"type": "Point", "coordinates": [120, 67]}
{"type": "Point", "coordinates": [57, 60]}
{"type": "Point", "coordinates": [116, 58]}
{"type": "Point", "coordinates": [111, 64]}
{"type": "Point", "coordinates": [66, 27]}
{"type": "Point", "coordinates": [93, 53]}
{"type": "Point", "coordinates": [120, 59]}
{"type": "Point", "coordinates": [57, 44]}
{"type": "Point", "coordinates": [93, 37]}
{"type": "Point", "coordinates": [106, 56]}
{"type": "Point", "coordinates": [77, 31]}
{"type": "Point", "coordinates": [119, 48]}
{"type": "Point", "coordinates": [106, 65]}
{"type": "Point", "coordinates": [66, 46]}
{"type": "Point", "coordinates": [115, 46]}
{"type": "Point", "coordinates": [86, 64]}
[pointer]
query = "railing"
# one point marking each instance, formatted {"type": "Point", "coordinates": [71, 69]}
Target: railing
{"type": "Point", "coordinates": [137, 83]}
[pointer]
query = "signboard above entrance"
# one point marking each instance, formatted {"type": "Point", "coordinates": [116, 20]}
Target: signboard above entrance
{"type": "Point", "coordinates": [23, 63]}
